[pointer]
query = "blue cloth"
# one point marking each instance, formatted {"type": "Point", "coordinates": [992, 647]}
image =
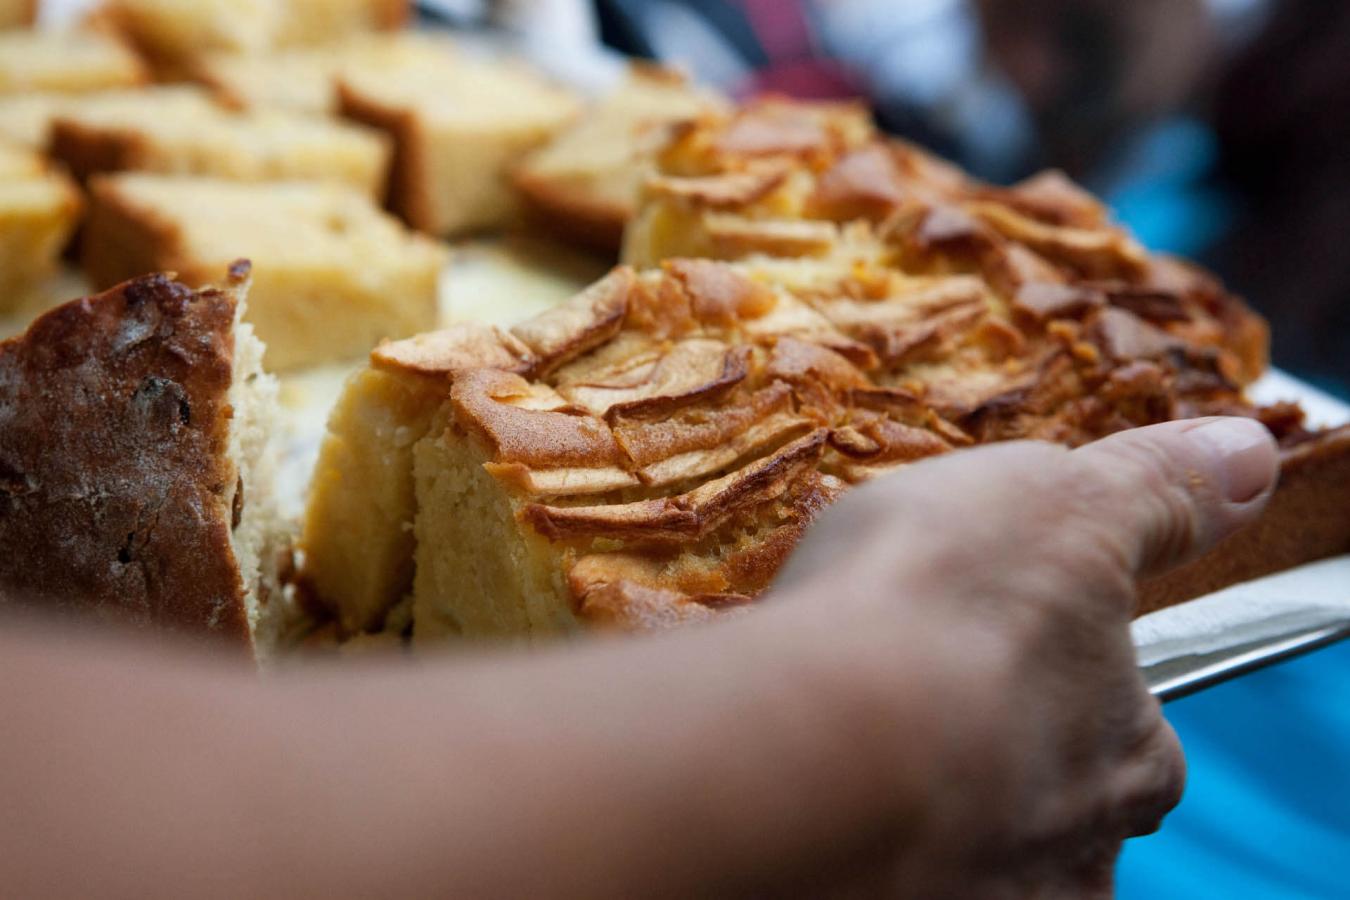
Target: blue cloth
{"type": "Point", "coordinates": [1267, 807]}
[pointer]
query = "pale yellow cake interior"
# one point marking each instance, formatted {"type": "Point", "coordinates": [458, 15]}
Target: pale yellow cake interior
{"type": "Point", "coordinates": [183, 130]}
{"type": "Point", "coordinates": [358, 530]}
{"type": "Point", "coordinates": [474, 121]}
{"type": "Point", "coordinates": [479, 573]}
{"type": "Point", "coordinates": [38, 211]}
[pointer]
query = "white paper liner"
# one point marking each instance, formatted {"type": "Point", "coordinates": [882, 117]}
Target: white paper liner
{"type": "Point", "coordinates": [1265, 611]}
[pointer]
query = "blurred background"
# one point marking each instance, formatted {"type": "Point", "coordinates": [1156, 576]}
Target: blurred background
{"type": "Point", "coordinates": [1217, 129]}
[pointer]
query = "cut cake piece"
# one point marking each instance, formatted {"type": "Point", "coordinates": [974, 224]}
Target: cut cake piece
{"type": "Point", "coordinates": [72, 61]}
{"type": "Point", "coordinates": [458, 126]}
{"type": "Point", "coordinates": [817, 181]}
{"type": "Point", "coordinates": [174, 34]}
{"type": "Point", "coordinates": [584, 184]}
{"type": "Point", "coordinates": [182, 130]}
{"type": "Point", "coordinates": [304, 79]}
{"type": "Point", "coordinates": [135, 468]}
{"type": "Point", "coordinates": [39, 208]}
{"type": "Point", "coordinates": [333, 274]}
{"type": "Point", "coordinates": [648, 453]}
{"type": "Point", "coordinates": [738, 182]}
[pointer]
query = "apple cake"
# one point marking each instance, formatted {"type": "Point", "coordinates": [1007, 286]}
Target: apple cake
{"type": "Point", "coordinates": [649, 452]}
{"type": "Point", "coordinates": [458, 126]}
{"type": "Point", "coordinates": [134, 465]}
{"type": "Point", "coordinates": [584, 184]}
{"type": "Point", "coordinates": [778, 177]}
{"type": "Point", "coordinates": [39, 208]}
{"type": "Point", "coordinates": [333, 274]}
{"type": "Point", "coordinates": [817, 181]}
{"type": "Point", "coordinates": [181, 130]}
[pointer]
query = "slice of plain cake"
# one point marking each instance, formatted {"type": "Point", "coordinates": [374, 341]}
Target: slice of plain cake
{"type": "Point", "coordinates": [175, 34]}
{"type": "Point", "coordinates": [333, 274]}
{"type": "Point", "coordinates": [304, 79]}
{"type": "Point", "coordinates": [458, 127]}
{"type": "Point", "coordinates": [66, 61]}
{"type": "Point", "coordinates": [584, 184]}
{"type": "Point", "coordinates": [135, 469]}
{"type": "Point", "coordinates": [358, 528]}
{"type": "Point", "coordinates": [39, 209]}
{"type": "Point", "coordinates": [182, 130]}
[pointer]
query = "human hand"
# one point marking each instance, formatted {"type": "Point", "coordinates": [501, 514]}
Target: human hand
{"type": "Point", "coordinates": [1004, 579]}
{"type": "Point", "coordinates": [943, 701]}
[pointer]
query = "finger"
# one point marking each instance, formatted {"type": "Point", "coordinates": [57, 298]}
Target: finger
{"type": "Point", "coordinates": [1168, 492]}
{"type": "Point", "coordinates": [1150, 784]}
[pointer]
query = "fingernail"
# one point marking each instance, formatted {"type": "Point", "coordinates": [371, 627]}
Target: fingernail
{"type": "Point", "coordinates": [1242, 453]}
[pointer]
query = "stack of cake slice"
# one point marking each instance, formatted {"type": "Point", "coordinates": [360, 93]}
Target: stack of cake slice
{"type": "Point", "coordinates": [334, 274]}
{"type": "Point", "coordinates": [42, 70]}
{"type": "Point", "coordinates": [183, 131]}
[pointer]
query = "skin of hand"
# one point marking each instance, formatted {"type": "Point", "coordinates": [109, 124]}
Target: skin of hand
{"type": "Point", "coordinates": [938, 698]}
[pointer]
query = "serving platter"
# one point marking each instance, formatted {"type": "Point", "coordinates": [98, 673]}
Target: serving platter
{"type": "Point", "coordinates": [1212, 639]}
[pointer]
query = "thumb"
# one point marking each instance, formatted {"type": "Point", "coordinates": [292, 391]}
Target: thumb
{"type": "Point", "coordinates": [1125, 507]}
{"type": "Point", "coordinates": [1173, 490]}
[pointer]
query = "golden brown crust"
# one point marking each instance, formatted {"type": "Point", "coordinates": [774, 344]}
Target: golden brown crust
{"type": "Point", "coordinates": [577, 214]}
{"type": "Point", "coordinates": [114, 477]}
{"type": "Point", "coordinates": [86, 152]}
{"type": "Point", "coordinates": [578, 325]}
{"type": "Point", "coordinates": [391, 15]}
{"type": "Point", "coordinates": [1308, 518]}
{"type": "Point", "coordinates": [671, 432]}
{"type": "Point", "coordinates": [583, 184]}
{"type": "Point", "coordinates": [466, 345]}
{"type": "Point", "coordinates": [407, 192]}
{"type": "Point", "coordinates": [805, 180]}
{"type": "Point", "coordinates": [121, 242]}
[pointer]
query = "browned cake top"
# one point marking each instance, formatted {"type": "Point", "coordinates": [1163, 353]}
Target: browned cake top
{"type": "Point", "coordinates": [803, 180]}
{"type": "Point", "coordinates": [674, 431]}
{"type": "Point", "coordinates": [114, 476]}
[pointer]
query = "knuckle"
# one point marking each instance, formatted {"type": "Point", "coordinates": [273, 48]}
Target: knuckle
{"type": "Point", "coordinates": [1131, 502]}
{"type": "Point", "coordinates": [1159, 787]}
